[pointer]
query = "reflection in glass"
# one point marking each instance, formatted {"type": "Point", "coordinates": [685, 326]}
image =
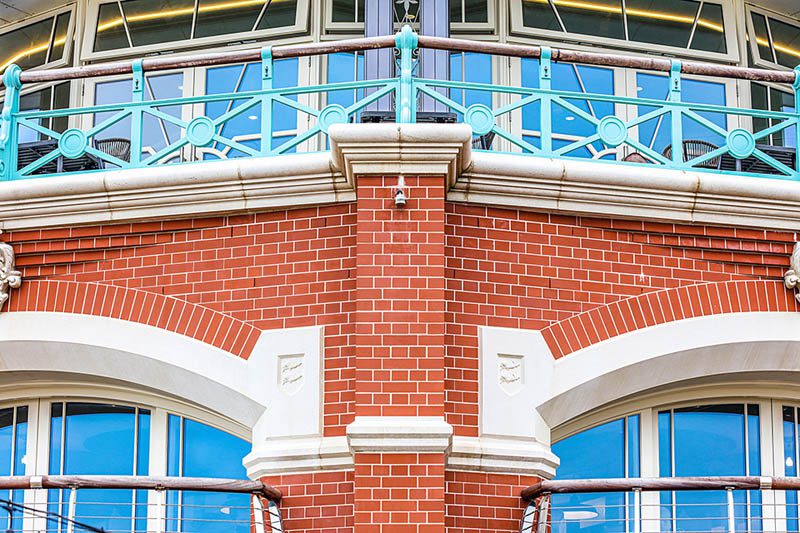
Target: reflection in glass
{"type": "Point", "coordinates": [772, 99]}
{"type": "Point", "coordinates": [762, 37]}
{"type": "Point", "coordinates": [603, 20]}
{"type": "Point", "coordinates": [54, 97]}
{"type": "Point", "coordinates": [197, 450]}
{"type": "Point", "coordinates": [92, 438]}
{"type": "Point", "coordinates": [610, 450]}
{"type": "Point", "coordinates": [35, 44]}
{"type": "Point", "coordinates": [777, 41]}
{"type": "Point", "coordinates": [714, 440]}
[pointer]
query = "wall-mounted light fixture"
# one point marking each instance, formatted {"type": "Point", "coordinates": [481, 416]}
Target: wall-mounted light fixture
{"type": "Point", "coordinates": [400, 196]}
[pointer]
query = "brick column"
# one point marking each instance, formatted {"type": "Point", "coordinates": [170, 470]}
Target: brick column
{"type": "Point", "coordinates": [399, 434]}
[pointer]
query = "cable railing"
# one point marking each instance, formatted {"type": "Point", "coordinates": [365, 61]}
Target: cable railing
{"type": "Point", "coordinates": [559, 109]}
{"type": "Point", "coordinates": [730, 504]}
{"type": "Point", "coordinates": [133, 504]}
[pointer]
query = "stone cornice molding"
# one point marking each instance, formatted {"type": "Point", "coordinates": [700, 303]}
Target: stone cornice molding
{"type": "Point", "coordinates": [399, 434]}
{"type": "Point", "coordinates": [283, 456]}
{"type": "Point", "coordinates": [173, 191]}
{"type": "Point", "coordinates": [410, 149]}
{"type": "Point", "coordinates": [595, 188]}
{"type": "Point", "coordinates": [502, 455]}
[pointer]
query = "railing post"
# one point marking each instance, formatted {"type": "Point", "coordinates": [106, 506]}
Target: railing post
{"type": "Point", "coordinates": [137, 112]}
{"type": "Point", "coordinates": [637, 510]}
{"type": "Point", "coordinates": [73, 497]}
{"type": "Point", "coordinates": [275, 519]}
{"type": "Point", "coordinates": [528, 518]}
{"type": "Point", "coordinates": [545, 77]}
{"type": "Point", "coordinates": [796, 87]}
{"type": "Point", "coordinates": [8, 123]}
{"type": "Point", "coordinates": [544, 507]}
{"type": "Point", "coordinates": [675, 113]}
{"type": "Point", "coordinates": [731, 512]}
{"type": "Point", "coordinates": [406, 101]}
{"type": "Point", "coordinates": [267, 74]}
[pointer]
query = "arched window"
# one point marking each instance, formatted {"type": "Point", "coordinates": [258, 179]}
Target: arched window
{"type": "Point", "coordinates": [88, 436]}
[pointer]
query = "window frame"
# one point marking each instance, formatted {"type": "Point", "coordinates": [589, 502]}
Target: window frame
{"type": "Point", "coordinates": [560, 38]}
{"type": "Point", "coordinates": [51, 13]}
{"type": "Point", "coordinates": [751, 42]}
{"type": "Point", "coordinates": [356, 28]}
{"type": "Point", "coordinates": [300, 26]}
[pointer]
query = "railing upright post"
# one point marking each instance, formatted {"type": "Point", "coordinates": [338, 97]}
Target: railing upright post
{"type": "Point", "coordinates": [267, 74]}
{"type": "Point", "coordinates": [275, 519]}
{"type": "Point", "coordinates": [544, 506]}
{"type": "Point", "coordinates": [637, 510]}
{"type": "Point", "coordinates": [796, 87]}
{"type": "Point", "coordinates": [73, 498]}
{"type": "Point", "coordinates": [546, 114]}
{"type": "Point", "coordinates": [406, 101]}
{"type": "Point", "coordinates": [137, 113]}
{"type": "Point", "coordinates": [731, 512]}
{"type": "Point", "coordinates": [528, 518]}
{"type": "Point", "coordinates": [8, 123]}
{"type": "Point", "coordinates": [675, 112]}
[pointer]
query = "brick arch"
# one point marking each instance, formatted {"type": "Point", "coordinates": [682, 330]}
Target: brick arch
{"type": "Point", "coordinates": [133, 305]}
{"type": "Point", "coordinates": [664, 306]}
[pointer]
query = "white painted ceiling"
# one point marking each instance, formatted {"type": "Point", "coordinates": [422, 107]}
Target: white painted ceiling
{"type": "Point", "coordinates": [787, 7]}
{"type": "Point", "coordinates": [15, 10]}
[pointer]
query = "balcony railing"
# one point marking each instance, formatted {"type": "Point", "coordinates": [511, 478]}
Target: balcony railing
{"type": "Point", "coordinates": [732, 504]}
{"type": "Point", "coordinates": [615, 129]}
{"type": "Point", "coordinates": [69, 504]}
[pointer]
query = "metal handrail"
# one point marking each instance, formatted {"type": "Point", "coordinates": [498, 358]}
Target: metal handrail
{"type": "Point", "coordinates": [576, 486]}
{"type": "Point", "coordinates": [388, 41]}
{"type": "Point", "coordinates": [200, 484]}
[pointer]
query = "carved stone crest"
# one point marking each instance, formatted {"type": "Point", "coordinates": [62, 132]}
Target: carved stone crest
{"type": "Point", "coordinates": [291, 373]}
{"type": "Point", "coordinates": [792, 276]}
{"type": "Point", "coordinates": [9, 278]}
{"type": "Point", "coordinates": [510, 373]}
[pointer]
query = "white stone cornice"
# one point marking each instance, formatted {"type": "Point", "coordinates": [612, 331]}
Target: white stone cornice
{"type": "Point", "coordinates": [281, 456]}
{"type": "Point", "coordinates": [392, 149]}
{"type": "Point", "coordinates": [649, 192]}
{"type": "Point", "coordinates": [512, 456]}
{"type": "Point", "coordinates": [173, 191]}
{"type": "Point", "coordinates": [399, 434]}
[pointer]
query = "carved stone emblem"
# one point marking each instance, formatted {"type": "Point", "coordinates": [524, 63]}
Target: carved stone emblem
{"type": "Point", "coordinates": [291, 373]}
{"type": "Point", "coordinates": [9, 278]}
{"type": "Point", "coordinates": [510, 373]}
{"type": "Point", "coordinates": [792, 276]}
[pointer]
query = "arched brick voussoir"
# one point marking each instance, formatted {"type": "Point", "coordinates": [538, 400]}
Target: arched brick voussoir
{"type": "Point", "coordinates": [668, 305]}
{"type": "Point", "coordinates": [163, 312]}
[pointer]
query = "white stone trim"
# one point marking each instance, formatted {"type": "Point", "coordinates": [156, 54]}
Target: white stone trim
{"type": "Point", "coordinates": [311, 454]}
{"type": "Point", "coordinates": [760, 345]}
{"type": "Point", "coordinates": [649, 192]}
{"type": "Point", "coordinates": [172, 191]}
{"type": "Point", "coordinates": [399, 434]}
{"type": "Point", "coordinates": [392, 149]}
{"type": "Point", "coordinates": [510, 456]}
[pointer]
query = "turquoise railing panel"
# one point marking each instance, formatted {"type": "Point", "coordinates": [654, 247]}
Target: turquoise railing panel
{"type": "Point", "coordinates": [675, 132]}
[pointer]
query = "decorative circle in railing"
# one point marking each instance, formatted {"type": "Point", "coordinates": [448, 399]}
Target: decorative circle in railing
{"type": "Point", "coordinates": [480, 118]}
{"type": "Point", "coordinates": [72, 143]}
{"type": "Point", "coordinates": [612, 131]}
{"type": "Point", "coordinates": [331, 114]}
{"type": "Point", "coordinates": [200, 131]}
{"type": "Point", "coordinates": [741, 143]}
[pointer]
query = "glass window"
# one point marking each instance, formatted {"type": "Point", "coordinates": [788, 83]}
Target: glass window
{"type": "Point", "coordinates": [198, 450]}
{"type": "Point", "coordinates": [37, 43]}
{"type": "Point", "coordinates": [245, 128]}
{"type": "Point", "coordinates": [774, 40]}
{"type": "Point", "coordinates": [712, 440]}
{"type": "Point", "coordinates": [461, 12]}
{"type": "Point", "coordinates": [471, 67]}
{"type": "Point", "coordinates": [687, 24]}
{"type": "Point", "coordinates": [150, 22]}
{"type": "Point", "coordinates": [54, 97]}
{"type": "Point", "coordinates": [656, 133]}
{"type": "Point", "coordinates": [13, 449]}
{"type": "Point", "coordinates": [772, 99]}
{"type": "Point", "coordinates": [614, 454]}
{"type": "Point", "coordinates": [567, 126]}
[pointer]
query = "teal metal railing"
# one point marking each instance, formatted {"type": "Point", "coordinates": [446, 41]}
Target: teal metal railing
{"type": "Point", "coordinates": [733, 140]}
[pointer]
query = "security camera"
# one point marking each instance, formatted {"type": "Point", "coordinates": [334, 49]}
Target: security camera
{"type": "Point", "coordinates": [400, 197]}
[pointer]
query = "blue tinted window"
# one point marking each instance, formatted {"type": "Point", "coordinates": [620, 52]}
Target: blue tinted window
{"type": "Point", "coordinates": [657, 132]}
{"type": "Point", "coordinates": [13, 444]}
{"type": "Point", "coordinates": [475, 68]}
{"type": "Point", "coordinates": [568, 126]}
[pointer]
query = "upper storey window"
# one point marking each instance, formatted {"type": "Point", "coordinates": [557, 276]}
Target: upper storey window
{"type": "Point", "coordinates": [680, 27]}
{"type": "Point", "coordinates": [465, 15]}
{"type": "Point", "coordinates": [40, 42]}
{"type": "Point", "coordinates": [147, 26]}
{"type": "Point", "coordinates": [773, 40]}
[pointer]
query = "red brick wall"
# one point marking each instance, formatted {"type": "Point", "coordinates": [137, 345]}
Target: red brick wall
{"type": "Point", "coordinates": [478, 502]}
{"type": "Point", "coordinates": [518, 269]}
{"type": "Point", "coordinates": [321, 502]}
